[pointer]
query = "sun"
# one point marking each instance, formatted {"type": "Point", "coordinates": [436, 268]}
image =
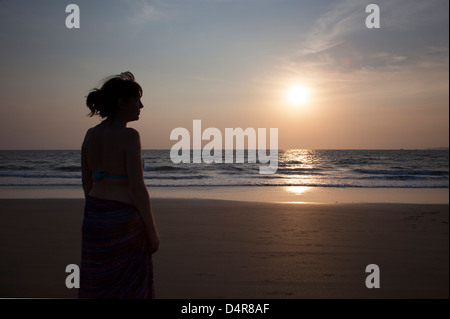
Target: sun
{"type": "Point", "coordinates": [297, 95]}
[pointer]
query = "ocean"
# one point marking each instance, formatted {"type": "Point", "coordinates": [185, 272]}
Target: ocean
{"type": "Point", "coordinates": [305, 168]}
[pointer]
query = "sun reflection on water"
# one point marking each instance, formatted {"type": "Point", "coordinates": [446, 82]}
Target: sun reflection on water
{"type": "Point", "coordinates": [300, 170]}
{"type": "Point", "coordinates": [297, 190]}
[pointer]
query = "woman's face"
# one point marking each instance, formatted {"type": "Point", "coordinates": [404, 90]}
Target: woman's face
{"type": "Point", "coordinates": [131, 108]}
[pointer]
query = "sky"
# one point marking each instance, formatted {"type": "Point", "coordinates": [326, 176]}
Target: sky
{"type": "Point", "coordinates": [231, 63]}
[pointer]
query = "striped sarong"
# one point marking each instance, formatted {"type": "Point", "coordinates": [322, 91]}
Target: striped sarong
{"type": "Point", "coordinates": [115, 261]}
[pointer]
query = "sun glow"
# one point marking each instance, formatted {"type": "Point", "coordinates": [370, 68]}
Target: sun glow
{"type": "Point", "coordinates": [297, 190]}
{"type": "Point", "coordinates": [297, 95]}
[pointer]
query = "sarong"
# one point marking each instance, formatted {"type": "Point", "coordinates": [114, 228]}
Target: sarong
{"type": "Point", "coordinates": [115, 258]}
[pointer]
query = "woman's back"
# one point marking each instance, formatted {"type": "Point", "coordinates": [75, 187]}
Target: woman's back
{"type": "Point", "coordinates": [105, 153]}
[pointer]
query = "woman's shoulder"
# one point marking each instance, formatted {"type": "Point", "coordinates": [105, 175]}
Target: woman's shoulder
{"type": "Point", "coordinates": [126, 137]}
{"type": "Point", "coordinates": [131, 132]}
{"type": "Point", "coordinates": [132, 138]}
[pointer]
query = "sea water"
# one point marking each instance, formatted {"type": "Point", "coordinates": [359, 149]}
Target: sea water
{"type": "Point", "coordinates": [419, 176]}
{"type": "Point", "coordinates": [311, 168]}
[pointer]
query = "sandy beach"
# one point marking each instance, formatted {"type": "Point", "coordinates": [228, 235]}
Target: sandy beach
{"type": "Point", "coordinates": [235, 249]}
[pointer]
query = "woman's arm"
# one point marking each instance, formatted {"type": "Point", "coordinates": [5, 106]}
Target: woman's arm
{"type": "Point", "coordinates": [137, 186]}
{"type": "Point", "coordinates": [86, 174]}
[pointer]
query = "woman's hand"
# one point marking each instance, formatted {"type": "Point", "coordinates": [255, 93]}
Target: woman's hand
{"type": "Point", "coordinates": [153, 240]}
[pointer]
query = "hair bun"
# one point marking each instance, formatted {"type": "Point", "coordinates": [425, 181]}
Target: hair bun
{"type": "Point", "coordinates": [94, 101]}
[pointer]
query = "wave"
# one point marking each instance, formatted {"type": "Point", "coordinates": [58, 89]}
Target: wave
{"type": "Point", "coordinates": [163, 168]}
{"type": "Point", "coordinates": [177, 177]}
{"type": "Point", "coordinates": [400, 172]}
{"type": "Point", "coordinates": [69, 168]}
{"type": "Point", "coordinates": [15, 168]}
{"type": "Point", "coordinates": [402, 178]}
{"type": "Point", "coordinates": [300, 171]}
{"type": "Point", "coordinates": [235, 170]}
{"type": "Point", "coordinates": [39, 175]}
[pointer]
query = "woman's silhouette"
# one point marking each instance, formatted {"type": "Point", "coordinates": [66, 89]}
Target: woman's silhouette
{"type": "Point", "coordinates": [119, 234]}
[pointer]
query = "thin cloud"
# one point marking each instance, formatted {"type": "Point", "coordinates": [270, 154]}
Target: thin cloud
{"type": "Point", "coordinates": [329, 29]}
{"type": "Point", "coordinates": [142, 12]}
{"type": "Point", "coordinates": [340, 42]}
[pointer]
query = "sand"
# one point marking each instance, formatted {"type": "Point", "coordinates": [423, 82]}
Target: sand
{"type": "Point", "coordinates": [232, 249]}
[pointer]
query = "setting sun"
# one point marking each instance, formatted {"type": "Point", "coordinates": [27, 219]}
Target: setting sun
{"type": "Point", "coordinates": [297, 94]}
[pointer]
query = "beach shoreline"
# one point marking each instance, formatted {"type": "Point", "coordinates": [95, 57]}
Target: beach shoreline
{"type": "Point", "coordinates": [239, 249]}
{"type": "Point", "coordinates": [267, 194]}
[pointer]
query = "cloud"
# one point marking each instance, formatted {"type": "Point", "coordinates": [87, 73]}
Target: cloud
{"type": "Point", "coordinates": [142, 12]}
{"type": "Point", "coordinates": [340, 42]}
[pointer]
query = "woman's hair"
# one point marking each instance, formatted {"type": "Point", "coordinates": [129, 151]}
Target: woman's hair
{"type": "Point", "coordinates": [104, 101]}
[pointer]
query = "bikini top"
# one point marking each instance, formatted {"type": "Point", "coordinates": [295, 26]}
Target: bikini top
{"type": "Point", "coordinates": [99, 175]}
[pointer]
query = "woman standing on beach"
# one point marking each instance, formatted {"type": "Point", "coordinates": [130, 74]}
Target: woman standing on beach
{"type": "Point", "coordinates": [119, 234]}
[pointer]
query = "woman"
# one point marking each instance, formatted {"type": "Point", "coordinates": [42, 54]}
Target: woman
{"type": "Point", "coordinates": [119, 234]}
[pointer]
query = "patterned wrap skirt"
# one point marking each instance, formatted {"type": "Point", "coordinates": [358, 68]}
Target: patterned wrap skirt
{"type": "Point", "coordinates": [115, 261]}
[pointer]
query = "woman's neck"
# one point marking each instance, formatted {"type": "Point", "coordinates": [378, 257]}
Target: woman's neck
{"type": "Point", "coordinates": [119, 120]}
